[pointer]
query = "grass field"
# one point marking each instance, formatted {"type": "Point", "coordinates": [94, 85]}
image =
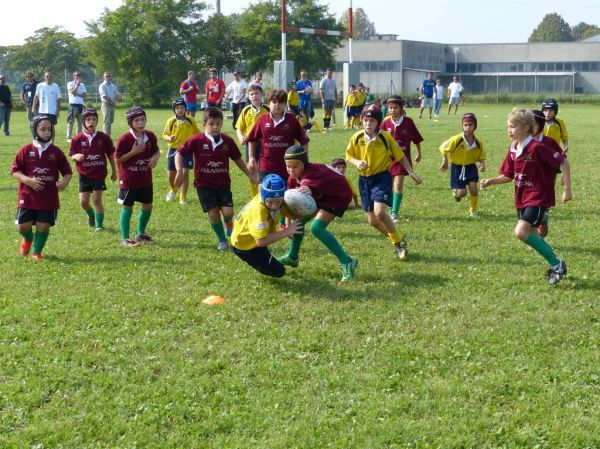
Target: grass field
{"type": "Point", "coordinates": [464, 345]}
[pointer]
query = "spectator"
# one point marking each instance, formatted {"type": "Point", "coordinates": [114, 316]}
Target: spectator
{"type": "Point", "coordinates": [5, 104]}
{"type": "Point", "coordinates": [328, 90]}
{"type": "Point", "coordinates": [455, 89]}
{"type": "Point", "coordinates": [47, 99]}
{"type": "Point", "coordinates": [77, 93]}
{"type": "Point", "coordinates": [237, 92]}
{"type": "Point", "coordinates": [426, 90]}
{"type": "Point", "coordinates": [215, 90]}
{"type": "Point", "coordinates": [305, 89]}
{"type": "Point", "coordinates": [109, 95]}
{"type": "Point", "coordinates": [27, 94]}
{"type": "Point", "coordinates": [189, 89]}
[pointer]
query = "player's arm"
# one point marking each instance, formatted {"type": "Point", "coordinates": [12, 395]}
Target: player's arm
{"type": "Point", "coordinates": [502, 179]}
{"type": "Point", "coordinates": [295, 227]}
{"type": "Point", "coordinates": [113, 168]}
{"type": "Point", "coordinates": [565, 168]}
{"type": "Point", "coordinates": [418, 156]}
{"type": "Point", "coordinates": [34, 183]}
{"type": "Point", "coordinates": [404, 162]}
{"type": "Point", "coordinates": [242, 166]}
{"type": "Point", "coordinates": [34, 106]}
{"type": "Point", "coordinates": [64, 182]}
{"type": "Point", "coordinates": [57, 108]}
{"type": "Point", "coordinates": [135, 150]}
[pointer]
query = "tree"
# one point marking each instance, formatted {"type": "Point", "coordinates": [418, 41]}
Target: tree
{"type": "Point", "coordinates": [362, 27]}
{"type": "Point", "coordinates": [49, 49]}
{"type": "Point", "coordinates": [260, 31]}
{"type": "Point", "coordinates": [552, 28]}
{"type": "Point", "coordinates": [583, 30]}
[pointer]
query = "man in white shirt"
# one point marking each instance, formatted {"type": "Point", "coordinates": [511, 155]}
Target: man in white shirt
{"type": "Point", "coordinates": [77, 93]}
{"type": "Point", "coordinates": [109, 95]}
{"type": "Point", "coordinates": [237, 92]}
{"type": "Point", "coordinates": [455, 88]}
{"type": "Point", "coordinates": [328, 91]}
{"type": "Point", "coordinates": [47, 99]}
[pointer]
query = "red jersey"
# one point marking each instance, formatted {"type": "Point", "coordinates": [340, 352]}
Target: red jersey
{"type": "Point", "coordinates": [328, 187]}
{"type": "Point", "coordinates": [190, 97]}
{"type": "Point", "coordinates": [534, 172]}
{"type": "Point", "coordinates": [44, 167]}
{"type": "Point", "coordinates": [274, 140]}
{"type": "Point", "coordinates": [211, 161]}
{"type": "Point", "coordinates": [135, 173]}
{"type": "Point", "coordinates": [214, 89]}
{"type": "Point", "coordinates": [405, 133]}
{"type": "Point", "coordinates": [95, 152]}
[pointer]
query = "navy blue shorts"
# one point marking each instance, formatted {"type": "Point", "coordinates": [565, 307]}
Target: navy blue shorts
{"type": "Point", "coordinates": [375, 189]}
{"type": "Point", "coordinates": [188, 161]}
{"type": "Point", "coordinates": [90, 185]}
{"type": "Point", "coordinates": [532, 214]}
{"type": "Point", "coordinates": [25, 215]}
{"type": "Point", "coordinates": [462, 175]}
{"type": "Point", "coordinates": [262, 261]}
{"type": "Point", "coordinates": [127, 197]}
{"type": "Point", "coordinates": [354, 111]}
{"type": "Point", "coordinates": [214, 197]}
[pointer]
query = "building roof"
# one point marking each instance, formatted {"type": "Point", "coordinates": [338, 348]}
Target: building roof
{"type": "Point", "coordinates": [595, 38]}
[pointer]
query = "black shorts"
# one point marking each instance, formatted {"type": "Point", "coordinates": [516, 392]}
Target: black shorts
{"type": "Point", "coordinates": [262, 261]}
{"type": "Point", "coordinates": [127, 197]}
{"type": "Point", "coordinates": [532, 214]}
{"type": "Point", "coordinates": [90, 185]}
{"type": "Point", "coordinates": [256, 151]}
{"type": "Point", "coordinates": [462, 175]}
{"type": "Point", "coordinates": [25, 215]}
{"type": "Point", "coordinates": [217, 197]}
{"type": "Point", "coordinates": [337, 211]}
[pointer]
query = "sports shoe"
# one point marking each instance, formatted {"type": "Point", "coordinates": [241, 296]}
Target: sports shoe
{"type": "Point", "coordinates": [472, 214]}
{"type": "Point", "coordinates": [287, 260]}
{"type": "Point", "coordinates": [25, 247]}
{"type": "Point", "coordinates": [69, 140]}
{"type": "Point", "coordinates": [170, 196]}
{"type": "Point", "coordinates": [348, 269]}
{"type": "Point", "coordinates": [222, 246]}
{"type": "Point", "coordinates": [395, 218]}
{"type": "Point", "coordinates": [543, 227]}
{"type": "Point", "coordinates": [184, 202]}
{"type": "Point", "coordinates": [91, 223]}
{"type": "Point", "coordinates": [99, 229]}
{"type": "Point", "coordinates": [144, 238]}
{"type": "Point", "coordinates": [556, 272]}
{"type": "Point", "coordinates": [401, 249]}
{"type": "Point", "coordinates": [129, 242]}
{"type": "Point", "coordinates": [37, 257]}
{"type": "Point", "coordinates": [456, 198]}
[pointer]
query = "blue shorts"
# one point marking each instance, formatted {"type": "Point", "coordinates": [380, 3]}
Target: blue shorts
{"type": "Point", "coordinates": [375, 189]}
{"type": "Point", "coordinates": [354, 111]}
{"type": "Point", "coordinates": [191, 106]}
{"type": "Point", "coordinates": [188, 161]}
{"type": "Point", "coordinates": [462, 175]}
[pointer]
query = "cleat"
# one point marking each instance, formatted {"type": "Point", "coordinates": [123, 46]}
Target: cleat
{"type": "Point", "coordinates": [37, 257]}
{"type": "Point", "coordinates": [129, 242]}
{"type": "Point", "coordinates": [348, 269]}
{"type": "Point", "coordinates": [472, 214]}
{"type": "Point", "coordinates": [395, 218]}
{"type": "Point", "coordinates": [170, 196]}
{"type": "Point", "coordinates": [288, 261]}
{"type": "Point", "coordinates": [184, 202]}
{"type": "Point", "coordinates": [401, 249]}
{"type": "Point", "coordinates": [98, 229]}
{"type": "Point", "coordinates": [91, 223]}
{"type": "Point", "coordinates": [557, 272]}
{"type": "Point", "coordinates": [144, 238]}
{"type": "Point", "coordinates": [25, 247]}
{"type": "Point", "coordinates": [222, 246]}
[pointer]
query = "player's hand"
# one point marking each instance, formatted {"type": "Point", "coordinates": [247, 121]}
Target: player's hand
{"type": "Point", "coordinates": [78, 157]}
{"type": "Point", "coordinates": [61, 185]}
{"type": "Point", "coordinates": [418, 158]}
{"type": "Point", "coordinates": [137, 149]}
{"type": "Point", "coordinates": [153, 161]}
{"type": "Point", "coordinates": [34, 183]}
{"type": "Point", "coordinates": [482, 166]}
{"type": "Point", "coordinates": [295, 227]}
{"type": "Point", "coordinates": [305, 189]}
{"type": "Point", "coordinates": [444, 166]}
{"type": "Point", "coordinates": [416, 179]}
{"type": "Point", "coordinates": [363, 165]}
{"type": "Point", "coordinates": [113, 177]}
{"type": "Point", "coordinates": [566, 196]}
{"type": "Point", "coordinates": [484, 183]}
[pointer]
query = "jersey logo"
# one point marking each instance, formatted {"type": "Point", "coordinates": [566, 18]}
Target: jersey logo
{"type": "Point", "coordinates": [142, 162]}
{"type": "Point", "coordinates": [93, 157]}
{"type": "Point", "coordinates": [213, 164]}
{"type": "Point", "coordinates": [40, 170]}
{"type": "Point", "coordinates": [275, 138]}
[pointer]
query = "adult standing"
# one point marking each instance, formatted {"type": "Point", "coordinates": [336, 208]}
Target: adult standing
{"type": "Point", "coordinates": [189, 89]}
{"type": "Point", "coordinates": [305, 90]}
{"type": "Point", "coordinates": [237, 92]}
{"type": "Point", "coordinates": [47, 99]}
{"type": "Point", "coordinates": [109, 95]}
{"type": "Point", "coordinates": [455, 88]}
{"type": "Point", "coordinates": [5, 104]}
{"type": "Point", "coordinates": [215, 90]}
{"type": "Point", "coordinates": [438, 95]}
{"type": "Point", "coordinates": [427, 89]}
{"type": "Point", "coordinates": [328, 91]}
{"type": "Point", "coordinates": [77, 93]}
{"type": "Point", "coordinates": [27, 94]}
{"type": "Point", "coordinates": [258, 81]}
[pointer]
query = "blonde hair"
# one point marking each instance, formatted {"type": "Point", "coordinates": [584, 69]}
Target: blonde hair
{"type": "Point", "coordinates": [523, 117]}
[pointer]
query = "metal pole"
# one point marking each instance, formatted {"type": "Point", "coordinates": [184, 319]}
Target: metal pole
{"type": "Point", "coordinates": [283, 32]}
{"type": "Point", "coordinates": [351, 30]}
{"type": "Point", "coordinates": [497, 86]}
{"type": "Point", "coordinates": [218, 6]}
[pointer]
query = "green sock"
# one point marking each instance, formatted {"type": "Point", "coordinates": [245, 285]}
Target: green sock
{"type": "Point", "coordinates": [396, 202]}
{"type": "Point", "coordinates": [219, 231]}
{"type": "Point", "coordinates": [27, 235]}
{"type": "Point", "coordinates": [328, 239]}
{"type": "Point", "coordinates": [90, 213]}
{"type": "Point", "coordinates": [282, 220]}
{"type": "Point", "coordinates": [99, 220]}
{"type": "Point", "coordinates": [542, 247]}
{"type": "Point", "coordinates": [125, 222]}
{"type": "Point", "coordinates": [294, 250]}
{"type": "Point", "coordinates": [39, 240]}
{"type": "Point", "coordinates": [143, 220]}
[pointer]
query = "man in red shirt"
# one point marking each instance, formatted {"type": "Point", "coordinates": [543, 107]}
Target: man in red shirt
{"type": "Point", "coordinates": [215, 90]}
{"type": "Point", "coordinates": [189, 89]}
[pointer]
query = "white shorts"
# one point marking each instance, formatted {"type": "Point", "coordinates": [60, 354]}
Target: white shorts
{"type": "Point", "coordinates": [454, 100]}
{"type": "Point", "coordinates": [427, 102]}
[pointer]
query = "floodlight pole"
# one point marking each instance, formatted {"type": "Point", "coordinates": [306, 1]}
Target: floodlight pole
{"type": "Point", "coordinates": [283, 31]}
{"type": "Point", "coordinates": [455, 50]}
{"type": "Point", "coordinates": [351, 30]}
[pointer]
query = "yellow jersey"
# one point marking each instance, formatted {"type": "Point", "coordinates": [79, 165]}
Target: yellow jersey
{"type": "Point", "coordinates": [293, 98]}
{"type": "Point", "coordinates": [352, 186]}
{"type": "Point", "coordinates": [352, 100]}
{"type": "Point", "coordinates": [377, 151]}
{"type": "Point", "coordinates": [255, 221]}
{"type": "Point", "coordinates": [248, 117]}
{"type": "Point", "coordinates": [460, 153]}
{"type": "Point", "coordinates": [557, 130]}
{"type": "Point", "coordinates": [181, 129]}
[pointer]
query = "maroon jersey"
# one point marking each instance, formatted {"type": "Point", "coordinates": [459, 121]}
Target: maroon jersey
{"type": "Point", "coordinates": [404, 134]}
{"type": "Point", "coordinates": [96, 152]}
{"type": "Point", "coordinates": [211, 161]}
{"type": "Point", "coordinates": [44, 167]}
{"type": "Point", "coordinates": [534, 172]}
{"type": "Point", "coordinates": [135, 173]}
{"type": "Point", "coordinates": [274, 140]}
{"type": "Point", "coordinates": [328, 187]}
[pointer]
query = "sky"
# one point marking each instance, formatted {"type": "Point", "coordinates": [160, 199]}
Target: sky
{"type": "Point", "coordinates": [456, 21]}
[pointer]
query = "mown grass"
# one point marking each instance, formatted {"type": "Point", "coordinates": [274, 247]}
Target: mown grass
{"type": "Point", "coordinates": [464, 345]}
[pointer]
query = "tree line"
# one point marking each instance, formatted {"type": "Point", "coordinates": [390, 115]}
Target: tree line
{"type": "Point", "coordinates": [553, 28]}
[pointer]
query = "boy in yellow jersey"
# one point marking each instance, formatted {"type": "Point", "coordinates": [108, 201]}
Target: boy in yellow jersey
{"type": "Point", "coordinates": [177, 130]}
{"type": "Point", "coordinates": [248, 117]}
{"type": "Point", "coordinates": [255, 227]}
{"type": "Point", "coordinates": [555, 127]}
{"type": "Point", "coordinates": [465, 152]}
{"type": "Point", "coordinates": [293, 99]}
{"type": "Point", "coordinates": [371, 152]}
{"type": "Point", "coordinates": [351, 106]}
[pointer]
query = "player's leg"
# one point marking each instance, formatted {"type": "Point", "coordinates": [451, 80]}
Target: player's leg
{"type": "Point", "coordinates": [99, 205]}
{"type": "Point", "coordinates": [292, 257]}
{"type": "Point", "coordinates": [184, 187]}
{"type": "Point", "coordinates": [397, 196]}
{"type": "Point", "coordinates": [214, 218]}
{"type": "Point", "coordinates": [227, 213]}
{"type": "Point", "coordinates": [143, 219]}
{"type": "Point", "coordinates": [84, 200]}
{"type": "Point", "coordinates": [262, 261]}
{"type": "Point", "coordinates": [318, 228]}
{"type": "Point", "coordinates": [42, 231]}
{"type": "Point", "coordinates": [381, 212]}
{"type": "Point", "coordinates": [171, 174]}
{"type": "Point", "coordinates": [473, 198]}
{"type": "Point", "coordinates": [26, 231]}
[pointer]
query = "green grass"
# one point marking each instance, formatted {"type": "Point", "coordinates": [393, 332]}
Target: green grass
{"type": "Point", "coordinates": [464, 345]}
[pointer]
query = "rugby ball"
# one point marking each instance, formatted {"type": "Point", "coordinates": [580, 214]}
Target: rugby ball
{"type": "Point", "coordinates": [299, 203]}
